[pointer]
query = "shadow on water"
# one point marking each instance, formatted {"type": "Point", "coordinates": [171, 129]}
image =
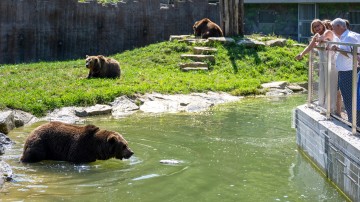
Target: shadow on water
{"type": "Point", "coordinates": [244, 151]}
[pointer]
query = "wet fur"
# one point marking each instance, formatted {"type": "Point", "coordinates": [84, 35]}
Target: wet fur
{"type": "Point", "coordinates": [79, 144]}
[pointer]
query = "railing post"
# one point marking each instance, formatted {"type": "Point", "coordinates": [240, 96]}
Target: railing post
{"type": "Point", "coordinates": [354, 90]}
{"type": "Point", "coordinates": [327, 84]}
{"type": "Point", "coordinates": [310, 79]}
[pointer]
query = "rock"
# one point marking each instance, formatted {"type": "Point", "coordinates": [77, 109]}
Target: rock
{"type": "Point", "coordinates": [179, 37]}
{"type": "Point", "coordinates": [198, 58]}
{"type": "Point", "coordinates": [195, 102]}
{"type": "Point", "coordinates": [276, 42]}
{"type": "Point", "coordinates": [250, 43]}
{"type": "Point", "coordinates": [300, 45]}
{"type": "Point", "coordinates": [122, 106]}
{"type": "Point", "coordinates": [278, 92]}
{"type": "Point", "coordinates": [295, 87]}
{"type": "Point", "coordinates": [4, 143]}
{"type": "Point", "coordinates": [93, 110]}
{"type": "Point", "coordinates": [65, 115]}
{"type": "Point", "coordinates": [23, 118]}
{"type": "Point", "coordinates": [204, 50]}
{"type": "Point", "coordinates": [304, 85]}
{"type": "Point", "coordinates": [5, 172]}
{"type": "Point", "coordinates": [223, 40]}
{"type": "Point", "coordinates": [276, 84]}
{"type": "Point", "coordinates": [7, 122]}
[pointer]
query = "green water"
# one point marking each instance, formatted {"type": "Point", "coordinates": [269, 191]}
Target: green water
{"type": "Point", "coordinates": [243, 151]}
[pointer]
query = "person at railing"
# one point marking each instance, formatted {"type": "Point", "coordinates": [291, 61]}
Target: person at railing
{"type": "Point", "coordinates": [322, 34]}
{"type": "Point", "coordinates": [344, 63]}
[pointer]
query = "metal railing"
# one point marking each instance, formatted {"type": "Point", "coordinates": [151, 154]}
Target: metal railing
{"type": "Point", "coordinates": [314, 63]}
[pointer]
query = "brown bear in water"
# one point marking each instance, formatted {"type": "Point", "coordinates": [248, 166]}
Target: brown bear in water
{"type": "Point", "coordinates": [78, 144]}
{"type": "Point", "coordinates": [206, 28]}
{"type": "Point", "coordinates": [102, 67]}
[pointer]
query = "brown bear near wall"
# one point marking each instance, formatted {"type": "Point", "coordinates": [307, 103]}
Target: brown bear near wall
{"type": "Point", "coordinates": [206, 28]}
{"type": "Point", "coordinates": [102, 67]}
{"type": "Point", "coordinates": [78, 144]}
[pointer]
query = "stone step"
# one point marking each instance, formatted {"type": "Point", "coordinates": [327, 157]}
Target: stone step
{"type": "Point", "coordinates": [223, 40]}
{"type": "Point", "coordinates": [204, 50]}
{"type": "Point", "coordinates": [198, 58]}
{"type": "Point", "coordinates": [185, 69]}
{"type": "Point", "coordinates": [194, 66]}
{"type": "Point", "coordinates": [179, 37]}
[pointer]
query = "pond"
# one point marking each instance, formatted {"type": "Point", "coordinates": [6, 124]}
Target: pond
{"type": "Point", "coordinates": [243, 151]}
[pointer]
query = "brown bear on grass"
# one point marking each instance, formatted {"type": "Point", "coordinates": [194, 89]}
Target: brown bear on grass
{"type": "Point", "coordinates": [66, 142]}
{"type": "Point", "coordinates": [206, 28]}
{"type": "Point", "coordinates": [102, 67]}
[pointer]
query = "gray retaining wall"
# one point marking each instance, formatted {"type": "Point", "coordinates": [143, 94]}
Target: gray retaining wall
{"type": "Point", "coordinates": [330, 145]}
{"type": "Point", "coordinates": [34, 30]}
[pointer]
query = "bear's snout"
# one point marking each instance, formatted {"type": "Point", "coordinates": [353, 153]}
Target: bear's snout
{"type": "Point", "coordinates": [127, 153]}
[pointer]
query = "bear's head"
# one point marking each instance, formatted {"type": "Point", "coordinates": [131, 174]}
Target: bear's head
{"type": "Point", "coordinates": [112, 145]}
{"type": "Point", "coordinates": [94, 62]}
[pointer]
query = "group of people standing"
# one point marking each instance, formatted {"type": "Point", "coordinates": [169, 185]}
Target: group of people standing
{"type": "Point", "coordinates": [341, 69]}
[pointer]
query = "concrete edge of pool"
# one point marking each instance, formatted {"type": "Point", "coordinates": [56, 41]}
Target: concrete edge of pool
{"type": "Point", "coordinates": [332, 147]}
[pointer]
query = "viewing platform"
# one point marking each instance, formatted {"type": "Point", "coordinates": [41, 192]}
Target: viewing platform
{"type": "Point", "coordinates": [330, 141]}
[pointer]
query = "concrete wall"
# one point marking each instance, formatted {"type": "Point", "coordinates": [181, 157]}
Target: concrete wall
{"type": "Point", "coordinates": [330, 145]}
{"type": "Point", "coordinates": [33, 30]}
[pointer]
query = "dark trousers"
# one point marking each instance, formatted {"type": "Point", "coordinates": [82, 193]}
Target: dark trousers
{"type": "Point", "coordinates": [345, 85]}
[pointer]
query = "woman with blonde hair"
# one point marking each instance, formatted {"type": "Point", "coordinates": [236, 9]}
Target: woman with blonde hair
{"type": "Point", "coordinates": [322, 34]}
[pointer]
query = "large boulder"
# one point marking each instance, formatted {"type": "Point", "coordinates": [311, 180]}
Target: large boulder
{"type": "Point", "coordinates": [4, 142]}
{"type": "Point", "coordinates": [22, 118]}
{"type": "Point", "coordinates": [7, 122]}
{"type": "Point", "coordinates": [5, 172]}
{"type": "Point", "coordinates": [123, 106]}
{"type": "Point", "coordinates": [65, 115]}
{"type": "Point", "coordinates": [93, 110]}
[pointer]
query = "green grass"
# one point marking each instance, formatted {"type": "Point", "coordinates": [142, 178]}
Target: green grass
{"type": "Point", "coordinates": [40, 87]}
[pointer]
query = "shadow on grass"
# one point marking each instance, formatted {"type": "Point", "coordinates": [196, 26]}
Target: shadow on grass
{"type": "Point", "coordinates": [238, 52]}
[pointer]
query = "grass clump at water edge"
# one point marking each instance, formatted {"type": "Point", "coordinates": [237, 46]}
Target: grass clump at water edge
{"type": "Point", "coordinates": [43, 86]}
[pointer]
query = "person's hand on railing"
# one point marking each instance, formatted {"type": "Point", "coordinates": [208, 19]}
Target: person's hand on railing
{"type": "Point", "coordinates": [299, 57]}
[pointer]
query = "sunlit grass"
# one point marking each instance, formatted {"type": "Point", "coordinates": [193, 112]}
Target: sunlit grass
{"type": "Point", "coordinates": [43, 86]}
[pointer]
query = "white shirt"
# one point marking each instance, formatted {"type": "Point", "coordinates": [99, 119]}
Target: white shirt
{"type": "Point", "coordinates": [344, 63]}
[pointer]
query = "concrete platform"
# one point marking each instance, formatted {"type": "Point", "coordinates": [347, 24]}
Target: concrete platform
{"type": "Point", "coordinates": [332, 147]}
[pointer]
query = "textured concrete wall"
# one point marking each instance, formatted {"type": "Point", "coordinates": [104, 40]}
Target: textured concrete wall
{"type": "Point", "coordinates": [33, 30]}
{"type": "Point", "coordinates": [332, 147]}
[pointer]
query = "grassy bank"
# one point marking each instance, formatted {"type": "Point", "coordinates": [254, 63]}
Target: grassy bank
{"type": "Point", "coordinates": [43, 86]}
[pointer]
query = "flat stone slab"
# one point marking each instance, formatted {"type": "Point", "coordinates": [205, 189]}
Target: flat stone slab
{"type": "Point", "coordinates": [204, 50]}
{"type": "Point", "coordinates": [185, 69]}
{"type": "Point", "coordinates": [276, 84]}
{"type": "Point", "coordinates": [276, 42]}
{"type": "Point", "coordinates": [179, 37]}
{"type": "Point", "coordinates": [198, 58]}
{"type": "Point", "coordinates": [194, 102]}
{"type": "Point", "coordinates": [251, 43]}
{"type": "Point", "coordinates": [193, 64]}
{"type": "Point", "coordinates": [221, 39]}
{"type": "Point", "coordinates": [94, 110]}
{"type": "Point", "coordinates": [65, 115]}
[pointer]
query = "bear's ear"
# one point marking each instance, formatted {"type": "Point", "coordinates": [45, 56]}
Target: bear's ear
{"type": "Point", "coordinates": [91, 129]}
{"type": "Point", "coordinates": [87, 56]}
{"type": "Point", "coordinates": [101, 57]}
{"type": "Point", "coordinates": [111, 139]}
